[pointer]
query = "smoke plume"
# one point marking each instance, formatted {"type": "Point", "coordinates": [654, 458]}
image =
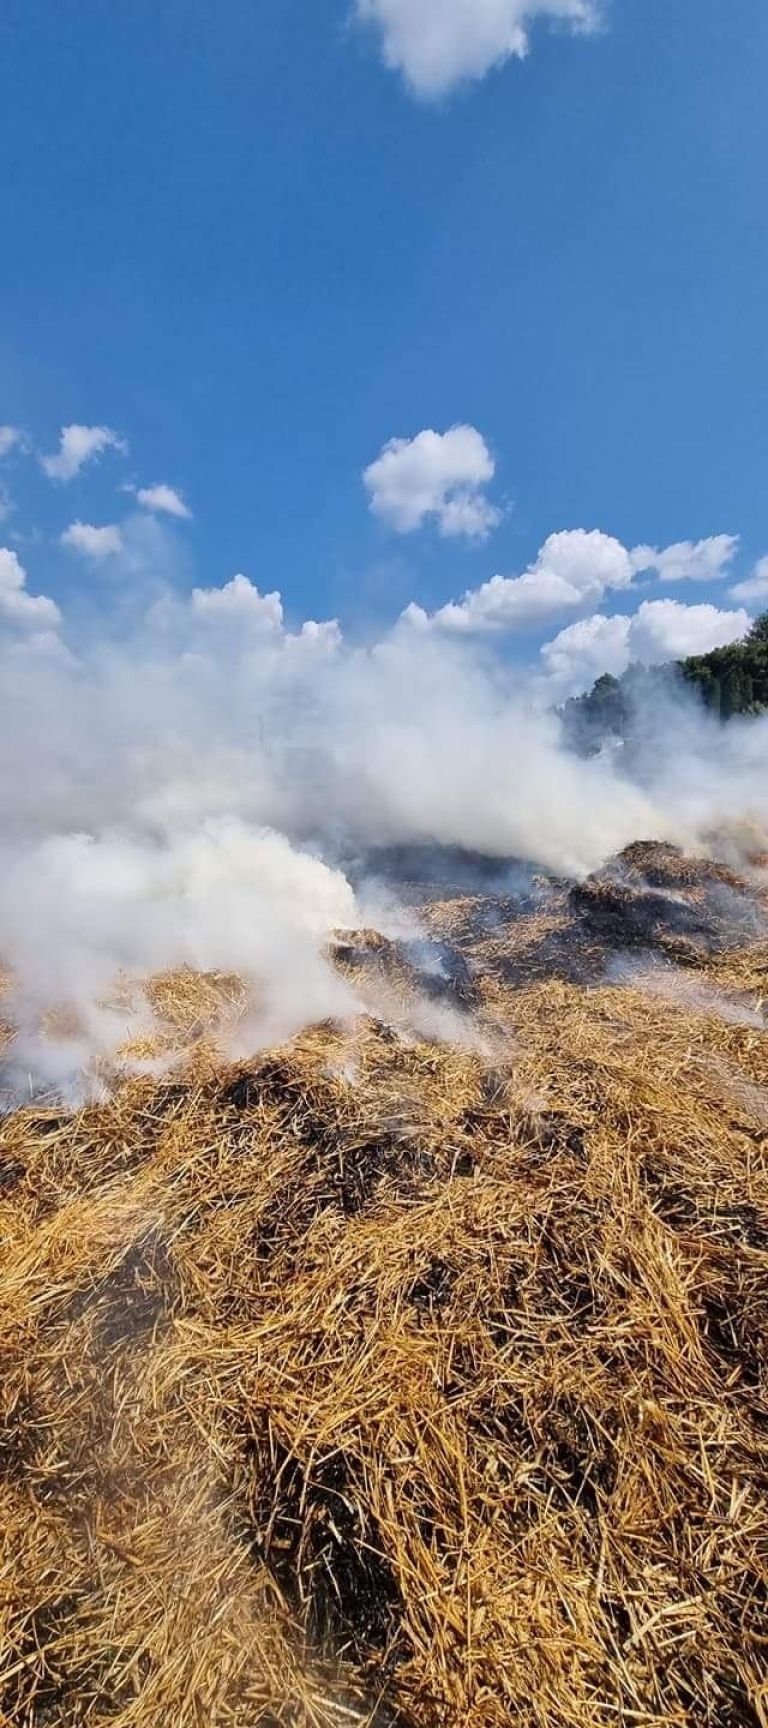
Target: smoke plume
{"type": "Point", "coordinates": [189, 797]}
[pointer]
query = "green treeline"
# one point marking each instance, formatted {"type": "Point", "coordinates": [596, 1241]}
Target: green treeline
{"type": "Point", "coordinates": [733, 680]}
{"type": "Point", "coordinates": [729, 681]}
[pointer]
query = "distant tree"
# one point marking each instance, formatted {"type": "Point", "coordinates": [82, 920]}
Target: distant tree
{"type": "Point", "coordinates": [729, 681]}
{"type": "Point", "coordinates": [709, 686]}
{"type": "Point", "coordinates": [731, 701]}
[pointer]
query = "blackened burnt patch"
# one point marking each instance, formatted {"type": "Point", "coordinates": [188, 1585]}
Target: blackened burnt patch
{"type": "Point", "coordinates": [12, 1174]}
{"type": "Point", "coordinates": [433, 1289]}
{"type": "Point", "coordinates": [313, 1531]}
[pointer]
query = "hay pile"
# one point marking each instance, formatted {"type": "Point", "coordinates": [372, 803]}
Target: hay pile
{"type": "Point", "coordinates": [392, 1382]}
{"type": "Point", "coordinates": [653, 896]}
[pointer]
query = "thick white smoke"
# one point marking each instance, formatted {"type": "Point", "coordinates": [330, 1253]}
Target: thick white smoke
{"type": "Point", "coordinates": [98, 909]}
{"type": "Point", "coordinates": [186, 798]}
{"type": "Point", "coordinates": [413, 739]}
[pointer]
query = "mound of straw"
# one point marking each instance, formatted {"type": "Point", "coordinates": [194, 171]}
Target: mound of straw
{"type": "Point", "coordinates": [392, 1382]}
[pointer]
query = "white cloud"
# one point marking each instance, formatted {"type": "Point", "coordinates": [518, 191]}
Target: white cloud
{"type": "Point", "coordinates": [666, 630]}
{"type": "Point", "coordinates": [17, 606]}
{"type": "Point", "coordinates": [10, 437]}
{"type": "Point", "coordinates": [77, 446]}
{"type": "Point", "coordinates": [256, 619]}
{"type": "Point", "coordinates": [239, 602]}
{"type": "Point", "coordinates": [572, 569]}
{"type": "Point", "coordinates": [660, 631]}
{"type": "Point", "coordinates": [441, 475]}
{"type": "Point", "coordinates": [164, 500]}
{"type": "Point", "coordinates": [437, 44]}
{"type": "Point", "coordinates": [755, 589]}
{"type": "Point", "coordinates": [91, 542]}
{"type": "Point", "coordinates": [585, 650]}
{"type": "Point", "coordinates": [324, 638]}
{"type": "Point", "coordinates": [689, 560]}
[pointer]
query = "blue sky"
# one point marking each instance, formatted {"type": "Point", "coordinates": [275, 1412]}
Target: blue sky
{"type": "Point", "coordinates": [237, 237]}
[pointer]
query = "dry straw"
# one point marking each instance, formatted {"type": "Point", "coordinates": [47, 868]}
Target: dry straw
{"type": "Point", "coordinates": [379, 1381]}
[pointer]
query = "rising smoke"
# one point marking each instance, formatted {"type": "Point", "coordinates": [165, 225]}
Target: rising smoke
{"type": "Point", "coordinates": [190, 797]}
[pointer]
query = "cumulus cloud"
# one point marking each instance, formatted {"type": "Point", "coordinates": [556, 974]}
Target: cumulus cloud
{"type": "Point", "coordinates": [91, 542]}
{"type": "Point", "coordinates": [79, 445]}
{"type": "Point", "coordinates": [573, 569]}
{"type": "Point", "coordinates": [755, 589]}
{"type": "Point", "coordinates": [239, 602]}
{"type": "Point", "coordinates": [18, 607]}
{"type": "Point", "coordinates": [438, 44]}
{"type": "Point", "coordinates": [584, 651]}
{"type": "Point", "coordinates": [666, 630]}
{"type": "Point", "coordinates": [436, 475]}
{"type": "Point", "coordinates": [660, 631]}
{"type": "Point", "coordinates": [239, 611]}
{"type": "Point", "coordinates": [690, 560]}
{"type": "Point", "coordinates": [164, 500]}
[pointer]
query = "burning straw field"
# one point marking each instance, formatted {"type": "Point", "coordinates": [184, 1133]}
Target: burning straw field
{"type": "Point", "coordinates": [415, 1373]}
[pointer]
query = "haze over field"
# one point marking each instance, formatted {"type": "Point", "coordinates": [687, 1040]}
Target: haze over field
{"type": "Point", "coordinates": [192, 793]}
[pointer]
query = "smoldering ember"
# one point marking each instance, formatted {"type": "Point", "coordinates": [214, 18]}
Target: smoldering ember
{"type": "Point", "coordinates": [384, 865]}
